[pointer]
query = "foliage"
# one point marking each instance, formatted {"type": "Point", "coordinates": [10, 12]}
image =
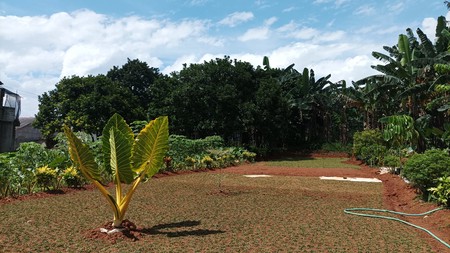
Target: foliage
{"type": "Point", "coordinates": [85, 103]}
{"type": "Point", "coordinates": [399, 131]}
{"type": "Point", "coordinates": [441, 193]}
{"type": "Point", "coordinates": [131, 159]}
{"type": "Point", "coordinates": [207, 153]}
{"type": "Point", "coordinates": [248, 156]}
{"type": "Point", "coordinates": [9, 176]}
{"type": "Point", "coordinates": [139, 79]}
{"type": "Point", "coordinates": [72, 177]}
{"type": "Point", "coordinates": [47, 177]}
{"type": "Point", "coordinates": [423, 170]}
{"type": "Point", "coordinates": [336, 147]}
{"type": "Point", "coordinates": [369, 147]}
{"type": "Point", "coordinates": [181, 147]}
{"type": "Point", "coordinates": [27, 158]}
{"type": "Point", "coordinates": [392, 161]}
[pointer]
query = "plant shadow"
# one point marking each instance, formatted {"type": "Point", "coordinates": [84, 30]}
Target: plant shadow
{"type": "Point", "coordinates": [170, 229]}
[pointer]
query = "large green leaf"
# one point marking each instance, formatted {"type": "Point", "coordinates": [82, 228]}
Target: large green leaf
{"type": "Point", "coordinates": [120, 159]}
{"type": "Point", "coordinates": [427, 45]}
{"type": "Point", "coordinates": [117, 122]}
{"type": "Point", "coordinates": [150, 146]}
{"type": "Point", "coordinates": [82, 157]}
{"type": "Point", "coordinates": [404, 48]}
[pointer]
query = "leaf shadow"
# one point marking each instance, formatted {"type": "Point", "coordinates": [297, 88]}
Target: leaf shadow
{"type": "Point", "coordinates": [173, 229]}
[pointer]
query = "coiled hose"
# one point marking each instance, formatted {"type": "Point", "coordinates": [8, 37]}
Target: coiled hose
{"type": "Point", "coordinates": [353, 211]}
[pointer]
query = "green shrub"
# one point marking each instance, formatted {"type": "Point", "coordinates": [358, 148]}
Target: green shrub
{"type": "Point", "coordinates": [46, 177]}
{"type": "Point", "coordinates": [9, 176]}
{"type": "Point", "coordinates": [441, 193]}
{"type": "Point", "coordinates": [391, 161]}
{"type": "Point", "coordinates": [423, 170]}
{"type": "Point", "coordinates": [336, 147]}
{"type": "Point", "coordinates": [190, 161]}
{"type": "Point", "coordinates": [248, 156]}
{"type": "Point", "coordinates": [368, 146]}
{"type": "Point", "coordinates": [72, 177]}
{"type": "Point", "coordinates": [207, 162]}
{"type": "Point", "coordinates": [181, 147]}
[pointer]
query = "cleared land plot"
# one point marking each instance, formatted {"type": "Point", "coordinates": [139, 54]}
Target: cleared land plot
{"type": "Point", "coordinates": [214, 212]}
{"type": "Point", "coordinates": [312, 162]}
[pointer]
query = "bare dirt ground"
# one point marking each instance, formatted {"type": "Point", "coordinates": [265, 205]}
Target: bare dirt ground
{"type": "Point", "coordinates": [397, 195]}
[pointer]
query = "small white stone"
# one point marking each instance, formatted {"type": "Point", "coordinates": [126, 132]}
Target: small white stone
{"type": "Point", "coordinates": [115, 230]}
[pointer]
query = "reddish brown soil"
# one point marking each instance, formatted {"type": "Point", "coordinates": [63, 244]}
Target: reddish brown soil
{"type": "Point", "coordinates": [397, 195]}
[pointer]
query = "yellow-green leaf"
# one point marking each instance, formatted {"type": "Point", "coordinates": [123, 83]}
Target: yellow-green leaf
{"type": "Point", "coordinates": [116, 122]}
{"type": "Point", "coordinates": [120, 159]}
{"type": "Point", "coordinates": [82, 156]}
{"type": "Point", "coordinates": [150, 146]}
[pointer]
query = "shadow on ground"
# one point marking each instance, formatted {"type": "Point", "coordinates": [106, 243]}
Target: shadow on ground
{"type": "Point", "coordinates": [178, 229]}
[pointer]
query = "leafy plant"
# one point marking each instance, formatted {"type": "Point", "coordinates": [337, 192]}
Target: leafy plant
{"type": "Point", "coordinates": [441, 193]}
{"type": "Point", "coordinates": [72, 177]}
{"type": "Point", "coordinates": [249, 156]}
{"type": "Point", "coordinates": [190, 162]}
{"type": "Point", "coordinates": [423, 170]}
{"type": "Point", "coordinates": [391, 161]}
{"type": "Point", "coordinates": [368, 146]}
{"type": "Point", "coordinates": [207, 162]}
{"type": "Point", "coordinates": [128, 159]}
{"type": "Point", "coordinates": [46, 177]}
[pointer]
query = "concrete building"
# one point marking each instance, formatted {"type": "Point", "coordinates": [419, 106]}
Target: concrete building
{"type": "Point", "coordinates": [9, 118]}
{"type": "Point", "coordinates": [25, 132]}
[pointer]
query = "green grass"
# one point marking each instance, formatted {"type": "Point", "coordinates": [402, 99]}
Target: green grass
{"type": "Point", "coordinates": [309, 162]}
{"type": "Point", "coordinates": [206, 212]}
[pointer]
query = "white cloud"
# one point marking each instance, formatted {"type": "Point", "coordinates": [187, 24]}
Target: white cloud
{"type": "Point", "coordinates": [289, 9]}
{"type": "Point", "coordinates": [259, 33]}
{"type": "Point", "coordinates": [293, 30]}
{"type": "Point", "coordinates": [270, 21]}
{"type": "Point", "coordinates": [429, 27]}
{"type": "Point", "coordinates": [198, 2]}
{"type": "Point", "coordinates": [178, 64]}
{"type": "Point", "coordinates": [42, 49]}
{"type": "Point", "coordinates": [365, 10]}
{"type": "Point", "coordinates": [351, 68]}
{"type": "Point", "coordinates": [341, 2]}
{"type": "Point", "coordinates": [337, 3]}
{"type": "Point", "coordinates": [396, 7]}
{"type": "Point", "coordinates": [236, 18]}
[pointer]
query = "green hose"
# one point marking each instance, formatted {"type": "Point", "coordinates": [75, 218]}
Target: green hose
{"type": "Point", "coordinates": [351, 211]}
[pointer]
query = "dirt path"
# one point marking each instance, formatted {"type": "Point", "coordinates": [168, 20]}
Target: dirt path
{"type": "Point", "coordinates": [397, 195]}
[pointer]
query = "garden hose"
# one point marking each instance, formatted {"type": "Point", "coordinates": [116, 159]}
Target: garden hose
{"type": "Point", "coordinates": [352, 212]}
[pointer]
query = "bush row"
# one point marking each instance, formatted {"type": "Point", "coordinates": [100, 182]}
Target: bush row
{"type": "Point", "coordinates": [429, 172]}
{"type": "Point", "coordinates": [34, 168]}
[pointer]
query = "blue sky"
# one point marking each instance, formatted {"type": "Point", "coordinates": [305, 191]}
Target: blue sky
{"type": "Point", "coordinates": [43, 41]}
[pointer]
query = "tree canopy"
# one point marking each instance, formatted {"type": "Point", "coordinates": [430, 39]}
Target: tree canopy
{"type": "Point", "coordinates": [265, 106]}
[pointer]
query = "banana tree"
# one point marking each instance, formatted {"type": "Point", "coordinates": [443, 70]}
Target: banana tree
{"type": "Point", "coordinates": [130, 160]}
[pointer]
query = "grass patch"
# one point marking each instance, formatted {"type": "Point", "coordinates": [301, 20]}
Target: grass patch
{"type": "Point", "coordinates": [312, 162]}
{"type": "Point", "coordinates": [205, 212]}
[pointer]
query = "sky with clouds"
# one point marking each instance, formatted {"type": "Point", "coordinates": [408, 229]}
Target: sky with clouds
{"type": "Point", "coordinates": [43, 41]}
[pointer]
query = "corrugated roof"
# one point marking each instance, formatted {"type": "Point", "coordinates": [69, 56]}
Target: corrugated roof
{"type": "Point", "coordinates": [25, 121]}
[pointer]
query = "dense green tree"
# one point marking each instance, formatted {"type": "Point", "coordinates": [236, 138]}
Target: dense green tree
{"type": "Point", "coordinates": [86, 103]}
{"type": "Point", "coordinates": [408, 80]}
{"type": "Point", "coordinates": [206, 97]}
{"type": "Point", "coordinates": [140, 79]}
